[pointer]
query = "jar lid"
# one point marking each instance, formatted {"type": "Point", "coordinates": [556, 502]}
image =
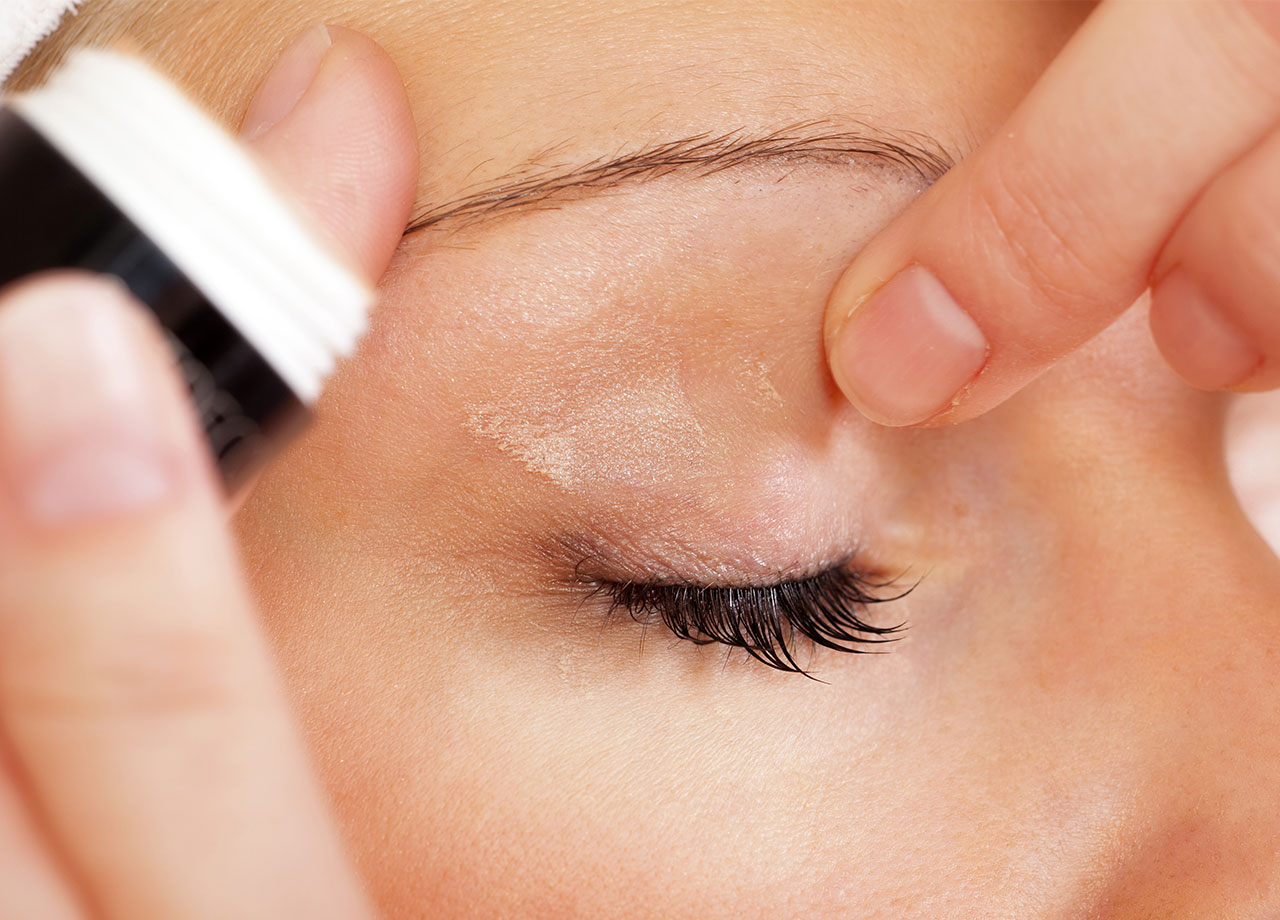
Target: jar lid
{"type": "Point", "coordinates": [204, 200]}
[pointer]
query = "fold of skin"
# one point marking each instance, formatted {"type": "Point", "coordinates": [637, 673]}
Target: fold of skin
{"type": "Point", "coordinates": [1082, 719]}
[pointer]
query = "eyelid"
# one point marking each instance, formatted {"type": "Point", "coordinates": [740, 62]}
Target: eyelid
{"type": "Point", "coordinates": [610, 555]}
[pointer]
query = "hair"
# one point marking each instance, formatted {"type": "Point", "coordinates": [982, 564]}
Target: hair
{"type": "Point", "coordinates": [95, 22]}
{"type": "Point", "coordinates": [183, 38]}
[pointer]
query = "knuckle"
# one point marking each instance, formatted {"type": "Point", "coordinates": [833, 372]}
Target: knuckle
{"type": "Point", "coordinates": [1264, 15]}
{"type": "Point", "coordinates": [162, 676]}
{"type": "Point", "coordinates": [1244, 39]}
{"type": "Point", "coordinates": [1252, 232]}
{"type": "Point", "coordinates": [1040, 243]}
{"type": "Point", "coordinates": [1233, 234]}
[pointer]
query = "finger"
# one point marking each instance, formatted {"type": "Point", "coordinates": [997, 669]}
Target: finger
{"type": "Point", "coordinates": [31, 882]}
{"type": "Point", "coordinates": [332, 120]}
{"type": "Point", "coordinates": [1215, 309]}
{"type": "Point", "coordinates": [135, 691]}
{"type": "Point", "coordinates": [1048, 232]}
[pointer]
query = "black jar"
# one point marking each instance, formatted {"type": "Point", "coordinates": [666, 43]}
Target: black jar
{"type": "Point", "coordinates": [109, 168]}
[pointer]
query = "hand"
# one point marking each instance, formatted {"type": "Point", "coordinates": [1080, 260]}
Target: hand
{"type": "Point", "coordinates": [1148, 154]}
{"type": "Point", "coordinates": [149, 764]}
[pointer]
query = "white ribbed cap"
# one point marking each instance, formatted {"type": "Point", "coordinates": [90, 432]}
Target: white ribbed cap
{"type": "Point", "coordinates": [23, 24]}
{"type": "Point", "coordinates": [203, 200]}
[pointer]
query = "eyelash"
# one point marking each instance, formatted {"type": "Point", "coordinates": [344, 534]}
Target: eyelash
{"type": "Point", "coordinates": [766, 621]}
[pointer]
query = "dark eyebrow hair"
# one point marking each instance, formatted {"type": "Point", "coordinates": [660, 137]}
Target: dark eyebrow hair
{"type": "Point", "coordinates": [539, 186]}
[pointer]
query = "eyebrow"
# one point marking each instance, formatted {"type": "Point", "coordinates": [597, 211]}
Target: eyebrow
{"type": "Point", "coordinates": [537, 186]}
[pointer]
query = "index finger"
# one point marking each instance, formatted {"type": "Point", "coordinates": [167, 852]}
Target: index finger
{"type": "Point", "coordinates": [1041, 238]}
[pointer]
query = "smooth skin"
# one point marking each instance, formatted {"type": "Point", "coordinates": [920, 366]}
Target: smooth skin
{"type": "Point", "coordinates": [1147, 156]}
{"type": "Point", "coordinates": [1082, 720]}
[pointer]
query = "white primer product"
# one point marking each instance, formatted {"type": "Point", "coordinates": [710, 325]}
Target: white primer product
{"type": "Point", "coordinates": [109, 168]}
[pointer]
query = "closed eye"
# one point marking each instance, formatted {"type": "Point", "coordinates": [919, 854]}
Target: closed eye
{"type": "Point", "coordinates": [770, 622]}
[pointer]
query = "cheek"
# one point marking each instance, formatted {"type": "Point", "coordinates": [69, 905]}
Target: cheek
{"type": "Point", "coordinates": [491, 774]}
{"type": "Point", "coordinates": [544, 784]}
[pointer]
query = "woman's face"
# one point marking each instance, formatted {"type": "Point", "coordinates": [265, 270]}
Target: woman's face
{"type": "Point", "coordinates": [620, 380]}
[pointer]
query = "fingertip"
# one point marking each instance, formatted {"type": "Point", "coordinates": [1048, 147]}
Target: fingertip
{"type": "Point", "coordinates": [907, 351]}
{"type": "Point", "coordinates": [287, 82]}
{"type": "Point", "coordinates": [1197, 339]}
{"type": "Point", "coordinates": [94, 423]}
{"type": "Point", "coordinates": [347, 148]}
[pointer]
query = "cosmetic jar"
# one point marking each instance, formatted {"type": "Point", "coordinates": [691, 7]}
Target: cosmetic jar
{"type": "Point", "coordinates": [109, 168]}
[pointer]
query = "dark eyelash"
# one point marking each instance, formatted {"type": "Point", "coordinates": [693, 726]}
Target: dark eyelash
{"type": "Point", "coordinates": [767, 620]}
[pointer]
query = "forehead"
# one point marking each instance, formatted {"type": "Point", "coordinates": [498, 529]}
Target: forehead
{"type": "Point", "coordinates": [497, 84]}
{"type": "Point", "coordinates": [502, 85]}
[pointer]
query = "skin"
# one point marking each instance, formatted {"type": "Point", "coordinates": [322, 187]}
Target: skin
{"type": "Point", "coordinates": [1087, 197]}
{"type": "Point", "coordinates": [1081, 719]}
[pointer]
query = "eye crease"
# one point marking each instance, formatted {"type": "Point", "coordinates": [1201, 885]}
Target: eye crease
{"type": "Point", "coordinates": [769, 622]}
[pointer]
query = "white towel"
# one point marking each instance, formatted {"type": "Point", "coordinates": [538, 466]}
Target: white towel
{"type": "Point", "coordinates": [23, 24]}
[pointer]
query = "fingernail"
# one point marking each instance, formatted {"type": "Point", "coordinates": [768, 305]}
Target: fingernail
{"type": "Point", "coordinates": [287, 82]}
{"type": "Point", "coordinates": [907, 350]}
{"type": "Point", "coordinates": [82, 431]}
{"type": "Point", "coordinates": [1197, 338]}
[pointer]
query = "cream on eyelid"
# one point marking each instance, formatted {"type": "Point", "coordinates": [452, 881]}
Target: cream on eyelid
{"type": "Point", "coordinates": [656, 342]}
{"type": "Point", "coordinates": [617, 431]}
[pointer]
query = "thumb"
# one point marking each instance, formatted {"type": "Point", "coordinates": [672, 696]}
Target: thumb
{"type": "Point", "coordinates": [1047, 233]}
{"type": "Point", "coordinates": [333, 123]}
